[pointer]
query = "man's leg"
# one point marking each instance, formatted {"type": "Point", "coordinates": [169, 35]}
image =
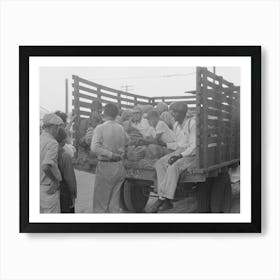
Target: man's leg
{"type": "Point", "coordinates": [172, 175]}
{"type": "Point", "coordinates": [161, 168]}
{"type": "Point", "coordinates": [102, 188]}
{"type": "Point", "coordinates": [168, 189]}
{"type": "Point", "coordinates": [49, 203]}
{"type": "Point", "coordinates": [114, 204]}
{"type": "Point", "coordinates": [65, 201]}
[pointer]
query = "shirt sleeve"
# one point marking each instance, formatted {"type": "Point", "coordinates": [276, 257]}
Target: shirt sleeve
{"type": "Point", "coordinates": [96, 144]}
{"type": "Point", "coordinates": [161, 127]}
{"type": "Point", "coordinates": [69, 174]}
{"type": "Point", "coordinates": [173, 145]}
{"type": "Point", "coordinates": [51, 154]}
{"type": "Point", "coordinates": [192, 139]}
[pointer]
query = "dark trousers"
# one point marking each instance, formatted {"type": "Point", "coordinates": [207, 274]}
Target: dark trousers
{"type": "Point", "coordinates": [66, 202]}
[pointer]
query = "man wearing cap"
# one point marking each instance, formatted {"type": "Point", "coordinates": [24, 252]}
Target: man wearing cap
{"type": "Point", "coordinates": [169, 167]}
{"type": "Point", "coordinates": [49, 172]}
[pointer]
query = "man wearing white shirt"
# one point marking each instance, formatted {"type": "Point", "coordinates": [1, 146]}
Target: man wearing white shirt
{"type": "Point", "coordinates": [140, 123]}
{"type": "Point", "coordinates": [169, 167]}
{"type": "Point", "coordinates": [161, 130]}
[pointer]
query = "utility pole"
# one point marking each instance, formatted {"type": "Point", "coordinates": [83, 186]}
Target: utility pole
{"type": "Point", "coordinates": [214, 69]}
{"type": "Point", "coordinates": [127, 88]}
{"type": "Point", "coordinates": [66, 96]}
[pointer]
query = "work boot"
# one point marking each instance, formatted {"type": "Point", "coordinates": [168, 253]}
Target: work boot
{"type": "Point", "coordinates": [166, 205]}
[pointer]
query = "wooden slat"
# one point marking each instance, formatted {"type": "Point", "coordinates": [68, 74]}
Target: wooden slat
{"type": "Point", "coordinates": [82, 104]}
{"type": "Point", "coordinates": [207, 83]}
{"type": "Point", "coordinates": [211, 156]}
{"type": "Point", "coordinates": [211, 140]}
{"type": "Point", "coordinates": [204, 125]}
{"type": "Point", "coordinates": [103, 94]}
{"type": "Point", "coordinates": [218, 113]}
{"type": "Point", "coordinates": [81, 112]}
{"type": "Point", "coordinates": [218, 105]}
{"type": "Point", "coordinates": [127, 106]}
{"type": "Point", "coordinates": [169, 102]}
{"type": "Point", "coordinates": [174, 97]}
{"type": "Point", "coordinates": [213, 123]}
{"type": "Point", "coordinates": [222, 97]}
{"type": "Point", "coordinates": [84, 81]}
{"type": "Point", "coordinates": [97, 92]}
{"type": "Point", "coordinates": [199, 116]}
{"type": "Point", "coordinates": [222, 139]}
{"type": "Point", "coordinates": [89, 97]}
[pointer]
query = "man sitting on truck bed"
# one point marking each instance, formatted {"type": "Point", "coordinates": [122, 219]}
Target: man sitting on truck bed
{"type": "Point", "coordinates": [169, 167]}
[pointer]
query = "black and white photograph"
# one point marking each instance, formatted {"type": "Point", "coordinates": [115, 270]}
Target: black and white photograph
{"type": "Point", "coordinates": [140, 137]}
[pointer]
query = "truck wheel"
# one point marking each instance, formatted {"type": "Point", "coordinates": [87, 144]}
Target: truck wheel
{"type": "Point", "coordinates": [221, 194]}
{"type": "Point", "coordinates": [135, 196]}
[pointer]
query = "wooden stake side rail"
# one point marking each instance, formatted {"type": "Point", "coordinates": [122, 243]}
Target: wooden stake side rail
{"type": "Point", "coordinates": [217, 120]}
{"type": "Point", "coordinates": [86, 91]}
{"type": "Point", "coordinates": [215, 103]}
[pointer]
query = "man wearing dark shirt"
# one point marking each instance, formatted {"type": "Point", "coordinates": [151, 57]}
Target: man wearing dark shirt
{"type": "Point", "coordinates": [68, 186]}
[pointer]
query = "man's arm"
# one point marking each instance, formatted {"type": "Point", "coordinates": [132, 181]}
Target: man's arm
{"type": "Point", "coordinates": [49, 164]}
{"type": "Point", "coordinates": [96, 144]}
{"type": "Point", "coordinates": [50, 161]}
{"type": "Point", "coordinates": [192, 139]}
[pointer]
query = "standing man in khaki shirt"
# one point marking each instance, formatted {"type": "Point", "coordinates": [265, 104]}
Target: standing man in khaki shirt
{"type": "Point", "coordinates": [108, 143]}
{"type": "Point", "coordinates": [50, 176]}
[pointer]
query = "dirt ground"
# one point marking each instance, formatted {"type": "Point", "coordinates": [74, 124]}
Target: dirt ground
{"type": "Point", "coordinates": [85, 184]}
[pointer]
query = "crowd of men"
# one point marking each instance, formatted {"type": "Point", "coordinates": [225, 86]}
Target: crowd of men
{"type": "Point", "coordinates": [107, 134]}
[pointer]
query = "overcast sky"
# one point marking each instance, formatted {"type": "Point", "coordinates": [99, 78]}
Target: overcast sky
{"type": "Point", "coordinates": [147, 81]}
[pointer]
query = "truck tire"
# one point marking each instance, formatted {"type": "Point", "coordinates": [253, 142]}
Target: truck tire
{"type": "Point", "coordinates": [133, 196]}
{"type": "Point", "coordinates": [221, 194]}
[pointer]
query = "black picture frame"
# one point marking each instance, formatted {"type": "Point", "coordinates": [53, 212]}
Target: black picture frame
{"type": "Point", "coordinates": [254, 52]}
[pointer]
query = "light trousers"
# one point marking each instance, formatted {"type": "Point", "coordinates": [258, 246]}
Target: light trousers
{"type": "Point", "coordinates": [49, 203]}
{"type": "Point", "coordinates": [107, 188]}
{"type": "Point", "coordinates": [168, 175]}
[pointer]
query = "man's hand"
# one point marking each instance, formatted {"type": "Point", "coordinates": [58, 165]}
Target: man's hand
{"type": "Point", "coordinates": [54, 187]}
{"type": "Point", "coordinates": [174, 159]}
{"type": "Point", "coordinates": [116, 157]}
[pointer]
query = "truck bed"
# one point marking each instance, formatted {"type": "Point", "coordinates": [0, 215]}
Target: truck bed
{"type": "Point", "coordinates": [136, 171]}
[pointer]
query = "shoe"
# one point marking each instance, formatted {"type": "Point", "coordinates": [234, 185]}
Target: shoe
{"type": "Point", "coordinates": [166, 205]}
{"type": "Point", "coordinates": [156, 205]}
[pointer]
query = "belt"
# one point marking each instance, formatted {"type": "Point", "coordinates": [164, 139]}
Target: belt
{"type": "Point", "coordinates": [109, 160]}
